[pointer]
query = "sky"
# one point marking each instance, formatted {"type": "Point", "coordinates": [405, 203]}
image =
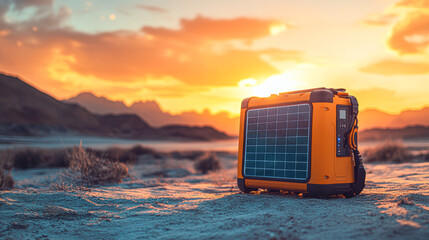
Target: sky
{"type": "Point", "coordinates": [196, 55]}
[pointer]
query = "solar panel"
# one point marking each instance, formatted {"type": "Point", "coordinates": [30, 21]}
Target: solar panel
{"type": "Point", "coordinates": [277, 142]}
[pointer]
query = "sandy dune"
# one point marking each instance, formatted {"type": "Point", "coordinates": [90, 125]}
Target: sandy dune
{"type": "Point", "coordinates": [394, 205]}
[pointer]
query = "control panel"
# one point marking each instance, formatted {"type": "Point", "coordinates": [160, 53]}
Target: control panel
{"type": "Point", "coordinates": [343, 122]}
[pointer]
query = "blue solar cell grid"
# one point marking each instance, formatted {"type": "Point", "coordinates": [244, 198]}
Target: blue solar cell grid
{"type": "Point", "coordinates": [277, 142]}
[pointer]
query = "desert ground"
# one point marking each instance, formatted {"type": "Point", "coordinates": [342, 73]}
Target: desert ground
{"type": "Point", "coordinates": [167, 199]}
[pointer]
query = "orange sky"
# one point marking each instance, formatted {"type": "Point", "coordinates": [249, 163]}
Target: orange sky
{"type": "Point", "coordinates": [197, 55]}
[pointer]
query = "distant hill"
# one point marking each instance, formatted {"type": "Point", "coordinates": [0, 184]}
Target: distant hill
{"type": "Point", "coordinates": [27, 111]}
{"type": "Point", "coordinates": [372, 118]}
{"type": "Point", "coordinates": [410, 132]}
{"type": "Point", "coordinates": [100, 105]}
{"type": "Point", "coordinates": [154, 115]}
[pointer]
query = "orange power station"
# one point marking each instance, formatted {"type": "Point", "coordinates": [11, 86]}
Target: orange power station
{"type": "Point", "coordinates": [302, 141]}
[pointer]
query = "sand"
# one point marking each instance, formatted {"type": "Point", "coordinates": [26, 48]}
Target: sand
{"type": "Point", "coordinates": [394, 205]}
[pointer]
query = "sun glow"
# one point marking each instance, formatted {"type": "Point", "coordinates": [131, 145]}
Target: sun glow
{"type": "Point", "coordinates": [247, 82]}
{"type": "Point", "coordinates": [277, 29]}
{"type": "Point", "coordinates": [272, 85]}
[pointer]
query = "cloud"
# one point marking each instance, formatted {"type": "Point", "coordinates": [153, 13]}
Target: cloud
{"type": "Point", "coordinates": [130, 57]}
{"type": "Point", "coordinates": [413, 3]}
{"type": "Point", "coordinates": [395, 67]}
{"type": "Point", "coordinates": [44, 17]}
{"type": "Point", "coordinates": [207, 29]}
{"type": "Point", "coordinates": [410, 35]}
{"type": "Point", "coordinates": [380, 98]}
{"type": "Point", "coordinates": [380, 19]}
{"type": "Point", "coordinates": [280, 55]}
{"type": "Point", "coordinates": [19, 5]}
{"type": "Point", "coordinates": [152, 8]}
{"type": "Point", "coordinates": [197, 55]}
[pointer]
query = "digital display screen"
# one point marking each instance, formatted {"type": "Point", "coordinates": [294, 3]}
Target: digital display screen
{"type": "Point", "coordinates": [343, 114]}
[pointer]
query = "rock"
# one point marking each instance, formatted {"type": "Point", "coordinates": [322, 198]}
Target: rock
{"type": "Point", "coordinates": [207, 163]}
{"type": "Point", "coordinates": [405, 201]}
{"type": "Point", "coordinates": [19, 225]}
{"type": "Point", "coordinates": [171, 173]}
{"type": "Point", "coordinates": [57, 211]}
{"type": "Point", "coordinates": [197, 180]}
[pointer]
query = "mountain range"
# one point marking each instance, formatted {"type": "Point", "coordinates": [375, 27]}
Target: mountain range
{"type": "Point", "coordinates": [151, 112]}
{"type": "Point", "coordinates": [410, 132]}
{"type": "Point", "coordinates": [154, 115]}
{"type": "Point", "coordinates": [372, 118]}
{"type": "Point", "coordinates": [27, 111]}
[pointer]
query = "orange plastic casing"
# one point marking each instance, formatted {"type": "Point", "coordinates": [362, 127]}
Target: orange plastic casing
{"type": "Point", "coordinates": [325, 167]}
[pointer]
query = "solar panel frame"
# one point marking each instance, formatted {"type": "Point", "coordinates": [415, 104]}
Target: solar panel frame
{"type": "Point", "coordinates": [309, 143]}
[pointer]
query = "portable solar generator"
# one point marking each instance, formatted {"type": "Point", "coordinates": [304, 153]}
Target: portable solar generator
{"type": "Point", "coordinates": [302, 141]}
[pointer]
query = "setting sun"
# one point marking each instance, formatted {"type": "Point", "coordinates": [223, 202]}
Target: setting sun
{"type": "Point", "coordinates": [272, 85]}
{"type": "Point", "coordinates": [277, 29]}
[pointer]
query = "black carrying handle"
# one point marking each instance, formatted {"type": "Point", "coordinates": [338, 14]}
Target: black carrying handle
{"type": "Point", "coordinates": [333, 90]}
{"type": "Point", "coordinates": [360, 172]}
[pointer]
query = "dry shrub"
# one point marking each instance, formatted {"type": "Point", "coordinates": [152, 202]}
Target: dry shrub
{"type": "Point", "coordinates": [6, 165]}
{"type": "Point", "coordinates": [207, 163]}
{"type": "Point", "coordinates": [35, 157]}
{"type": "Point", "coordinates": [139, 150]}
{"type": "Point", "coordinates": [188, 155]}
{"type": "Point", "coordinates": [65, 182]}
{"type": "Point", "coordinates": [24, 158]}
{"type": "Point", "coordinates": [424, 156]}
{"type": "Point", "coordinates": [124, 155]}
{"type": "Point", "coordinates": [89, 169]}
{"type": "Point", "coordinates": [389, 152]}
{"type": "Point", "coordinates": [118, 155]}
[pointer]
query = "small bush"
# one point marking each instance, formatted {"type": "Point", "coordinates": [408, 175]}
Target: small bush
{"type": "Point", "coordinates": [34, 157]}
{"type": "Point", "coordinates": [23, 158]}
{"type": "Point", "coordinates": [124, 155]}
{"type": "Point", "coordinates": [119, 155]}
{"type": "Point", "coordinates": [6, 165]}
{"type": "Point", "coordinates": [89, 169]}
{"type": "Point", "coordinates": [207, 163]}
{"type": "Point", "coordinates": [139, 150]}
{"type": "Point", "coordinates": [426, 157]}
{"type": "Point", "coordinates": [28, 158]}
{"type": "Point", "coordinates": [423, 156]}
{"type": "Point", "coordinates": [389, 152]}
{"type": "Point", "coordinates": [188, 155]}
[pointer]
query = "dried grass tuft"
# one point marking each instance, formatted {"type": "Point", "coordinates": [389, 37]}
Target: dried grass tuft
{"type": "Point", "coordinates": [6, 165]}
{"type": "Point", "coordinates": [389, 152]}
{"type": "Point", "coordinates": [24, 158]}
{"type": "Point", "coordinates": [88, 169]}
{"type": "Point", "coordinates": [207, 163]}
